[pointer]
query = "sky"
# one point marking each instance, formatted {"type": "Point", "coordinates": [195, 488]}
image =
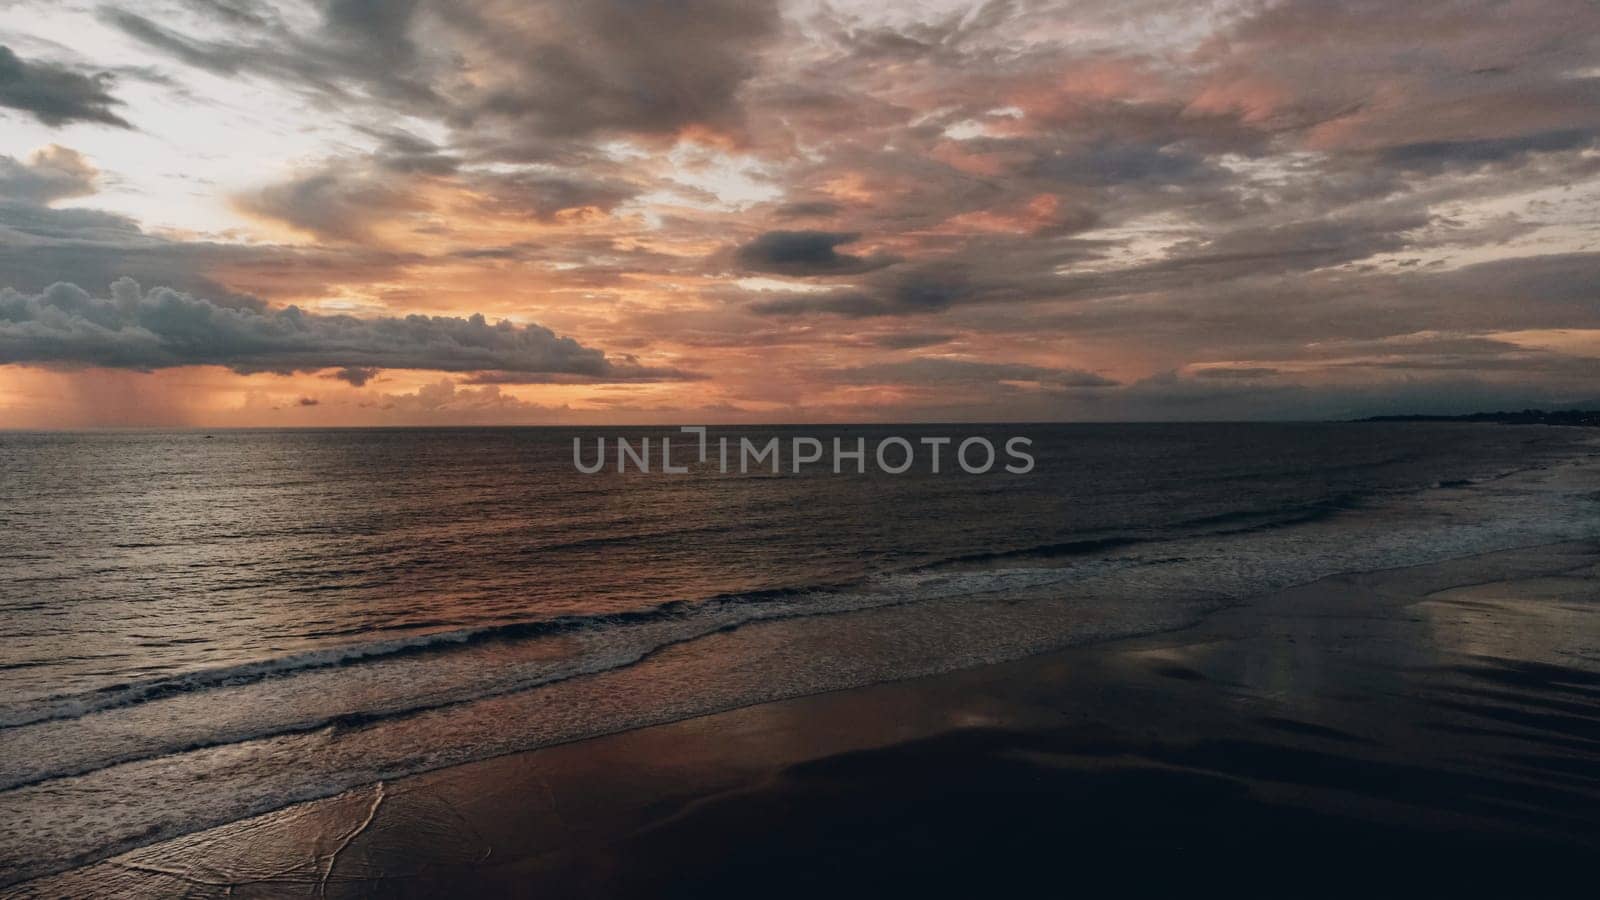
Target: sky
{"type": "Point", "coordinates": [427, 212]}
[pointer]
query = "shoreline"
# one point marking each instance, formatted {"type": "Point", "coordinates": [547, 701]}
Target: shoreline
{"type": "Point", "coordinates": [68, 822]}
{"type": "Point", "coordinates": [1382, 679]}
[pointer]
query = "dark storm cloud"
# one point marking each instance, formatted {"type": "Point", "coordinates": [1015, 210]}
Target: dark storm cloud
{"type": "Point", "coordinates": [800, 253]}
{"type": "Point", "coordinates": [162, 328]}
{"type": "Point", "coordinates": [56, 95]}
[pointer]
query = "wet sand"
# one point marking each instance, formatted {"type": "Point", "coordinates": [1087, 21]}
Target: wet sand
{"type": "Point", "coordinates": [1437, 725]}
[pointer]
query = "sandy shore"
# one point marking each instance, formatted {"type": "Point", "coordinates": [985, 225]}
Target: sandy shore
{"type": "Point", "coordinates": [1442, 722]}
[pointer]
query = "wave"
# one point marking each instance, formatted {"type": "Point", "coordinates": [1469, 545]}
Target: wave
{"type": "Point", "coordinates": [723, 614]}
{"type": "Point", "coordinates": [1264, 520]}
{"type": "Point", "coordinates": [129, 693]}
{"type": "Point", "coordinates": [717, 613]}
{"type": "Point", "coordinates": [71, 706]}
{"type": "Point", "coordinates": [1229, 523]}
{"type": "Point", "coordinates": [1250, 520]}
{"type": "Point", "coordinates": [1044, 551]}
{"type": "Point", "coordinates": [347, 720]}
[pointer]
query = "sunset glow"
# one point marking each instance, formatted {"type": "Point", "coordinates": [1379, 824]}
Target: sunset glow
{"type": "Point", "coordinates": [733, 211]}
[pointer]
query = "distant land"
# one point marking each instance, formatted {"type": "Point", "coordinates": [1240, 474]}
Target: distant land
{"type": "Point", "coordinates": [1590, 417]}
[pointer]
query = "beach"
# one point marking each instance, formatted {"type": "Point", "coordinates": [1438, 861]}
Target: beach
{"type": "Point", "coordinates": [765, 448]}
{"type": "Point", "coordinates": [1439, 721]}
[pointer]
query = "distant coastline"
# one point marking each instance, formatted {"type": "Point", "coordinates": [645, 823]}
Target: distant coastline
{"type": "Point", "coordinates": [1580, 417]}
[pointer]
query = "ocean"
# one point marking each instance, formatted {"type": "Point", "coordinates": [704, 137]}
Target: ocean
{"type": "Point", "coordinates": [195, 627]}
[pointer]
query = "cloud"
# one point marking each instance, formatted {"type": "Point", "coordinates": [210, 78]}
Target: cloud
{"type": "Point", "coordinates": [571, 68]}
{"type": "Point", "coordinates": [162, 328]}
{"type": "Point", "coordinates": [444, 401]}
{"type": "Point", "coordinates": [909, 340]}
{"type": "Point", "coordinates": [1032, 270]}
{"type": "Point", "coordinates": [56, 95]}
{"type": "Point", "coordinates": [801, 253]}
{"type": "Point", "coordinates": [1272, 199]}
{"type": "Point", "coordinates": [548, 197]}
{"type": "Point", "coordinates": [927, 288]}
{"type": "Point", "coordinates": [232, 12]}
{"type": "Point", "coordinates": [50, 173]}
{"type": "Point", "coordinates": [935, 371]}
{"type": "Point", "coordinates": [410, 179]}
{"type": "Point", "coordinates": [1437, 156]}
{"type": "Point", "coordinates": [40, 246]}
{"type": "Point", "coordinates": [356, 375]}
{"type": "Point", "coordinates": [401, 151]}
{"type": "Point", "coordinates": [807, 209]}
{"type": "Point", "coordinates": [1108, 163]}
{"type": "Point", "coordinates": [357, 46]}
{"type": "Point", "coordinates": [912, 291]}
{"type": "Point", "coordinates": [1235, 373]}
{"type": "Point", "coordinates": [625, 370]}
{"type": "Point", "coordinates": [336, 204]}
{"type": "Point", "coordinates": [546, 71]}
{"type": "Point", "coordinates": [1171, 396]}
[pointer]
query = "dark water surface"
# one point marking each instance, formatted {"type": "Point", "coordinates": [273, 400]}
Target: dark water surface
{"type": "Point", "coordinates": [289, 613]}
